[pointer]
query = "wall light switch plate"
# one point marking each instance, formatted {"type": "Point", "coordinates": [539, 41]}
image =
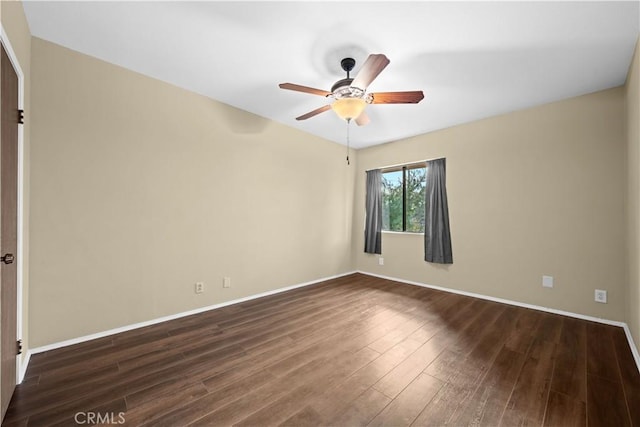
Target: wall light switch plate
{"type": "Point", "coordinates": [601, 296]}
{"type": "Point", "coordinates": [547, 281]}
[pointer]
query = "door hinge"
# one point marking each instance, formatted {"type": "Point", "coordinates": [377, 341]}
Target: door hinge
{"type": "Point", "coordinates": [19, 347]}
{"type": "Point", "coordinates": [21, 117]}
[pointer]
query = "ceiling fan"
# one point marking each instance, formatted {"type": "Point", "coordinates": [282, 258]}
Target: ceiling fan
{"type": "Point", "coordinates": [350, 96]}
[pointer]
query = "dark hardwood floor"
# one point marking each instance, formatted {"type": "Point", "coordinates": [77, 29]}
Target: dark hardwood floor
{"type": "Point", "coordinates": [352, 351]}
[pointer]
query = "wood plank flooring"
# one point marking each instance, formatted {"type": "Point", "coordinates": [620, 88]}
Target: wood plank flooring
{"type": "Point", "coordinates": [347, 352]}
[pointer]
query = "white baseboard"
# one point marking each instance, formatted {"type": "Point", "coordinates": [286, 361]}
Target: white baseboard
{"type": "Point", "coordinates": [172, 317]}
{"type": "Point", "coordinates": [634, 349]}
{"type": "Point", "coordinates": [23, 367]}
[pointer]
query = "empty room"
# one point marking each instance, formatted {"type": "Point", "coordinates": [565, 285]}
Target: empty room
{"type": "Point", "coordinates": [320, 213]}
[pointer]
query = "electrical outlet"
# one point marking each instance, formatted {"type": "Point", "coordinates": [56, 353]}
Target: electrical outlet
{"type": "Point", "coordinates": [547, 281]}
{"type": "Point", "coordinates": [380, 261]}
{"type": "Point", "coordinates": [601, 296]}
{"type": "Point", "coordinates": [226, 282]}
{"type": "Point", "coordinates": [199, 287]}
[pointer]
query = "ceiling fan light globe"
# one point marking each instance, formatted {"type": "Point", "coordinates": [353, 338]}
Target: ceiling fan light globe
{"type": "Point", "coordinates": [348, 108]}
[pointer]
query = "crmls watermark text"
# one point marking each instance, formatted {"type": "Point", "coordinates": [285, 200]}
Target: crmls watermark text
{"type": "Point", "coordinates": [99, 418]}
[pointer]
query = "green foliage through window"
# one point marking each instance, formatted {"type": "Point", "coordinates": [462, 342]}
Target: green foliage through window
{"type": "Point", "coordinates": [403, 199]}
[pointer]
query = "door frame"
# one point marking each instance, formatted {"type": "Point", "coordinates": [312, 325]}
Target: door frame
{"type": "Point", "coordinates": [20, 366]}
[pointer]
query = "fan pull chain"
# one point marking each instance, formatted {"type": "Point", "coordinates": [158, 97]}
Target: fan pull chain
{"type": "Point", "coordinates": [348, 122]}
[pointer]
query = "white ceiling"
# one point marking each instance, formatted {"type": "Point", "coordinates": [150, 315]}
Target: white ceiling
{"type": "Point", "coordinates": [471, 59]}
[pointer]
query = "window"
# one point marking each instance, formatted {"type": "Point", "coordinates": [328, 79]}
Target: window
{"type": "Point", "coordinates": [403, 198]}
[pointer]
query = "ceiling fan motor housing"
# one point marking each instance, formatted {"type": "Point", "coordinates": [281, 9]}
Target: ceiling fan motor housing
{"type": "Point", "coordinates": [343, 89]}
{"type": "Point", "coordinates": [341, 84]}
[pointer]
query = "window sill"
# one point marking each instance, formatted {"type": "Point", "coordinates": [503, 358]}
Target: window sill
{"type": "Point", "coordinates": [409, 233]}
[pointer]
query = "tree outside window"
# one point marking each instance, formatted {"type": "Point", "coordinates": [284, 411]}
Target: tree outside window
{"type": "Point", "coordinates": [403, 199]}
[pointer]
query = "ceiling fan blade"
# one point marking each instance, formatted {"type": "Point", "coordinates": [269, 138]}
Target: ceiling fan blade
{"type": "Point", "coordinates": [314, 112]}
{"type": "Point", "coordinates": [411, 97]}
{"type": "Point", "coordinates": [373, 66]}
{"type": "Point", "coordinates": [306, 89]}
{"type": "Point", "coordinates": [362, 119]}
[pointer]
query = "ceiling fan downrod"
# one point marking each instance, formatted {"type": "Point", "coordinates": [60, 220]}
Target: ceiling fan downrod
{"type": "Point", "coordinates": [342, 87]}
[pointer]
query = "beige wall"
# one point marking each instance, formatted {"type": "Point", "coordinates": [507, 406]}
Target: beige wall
{"type": "Point", "coordinates": [632, 95]}
{"type": "Point", "coordinates": [140, 189]}
{"type": "Point", "coordinates": [531, 193]}
{"type": "Point", "coordinates": [15, 25]}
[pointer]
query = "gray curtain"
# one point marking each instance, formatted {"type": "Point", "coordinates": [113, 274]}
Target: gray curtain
{"type": "Point", "coordinates": [373, 219]}
{"type": "Point", "coordinates": [437, 236]}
